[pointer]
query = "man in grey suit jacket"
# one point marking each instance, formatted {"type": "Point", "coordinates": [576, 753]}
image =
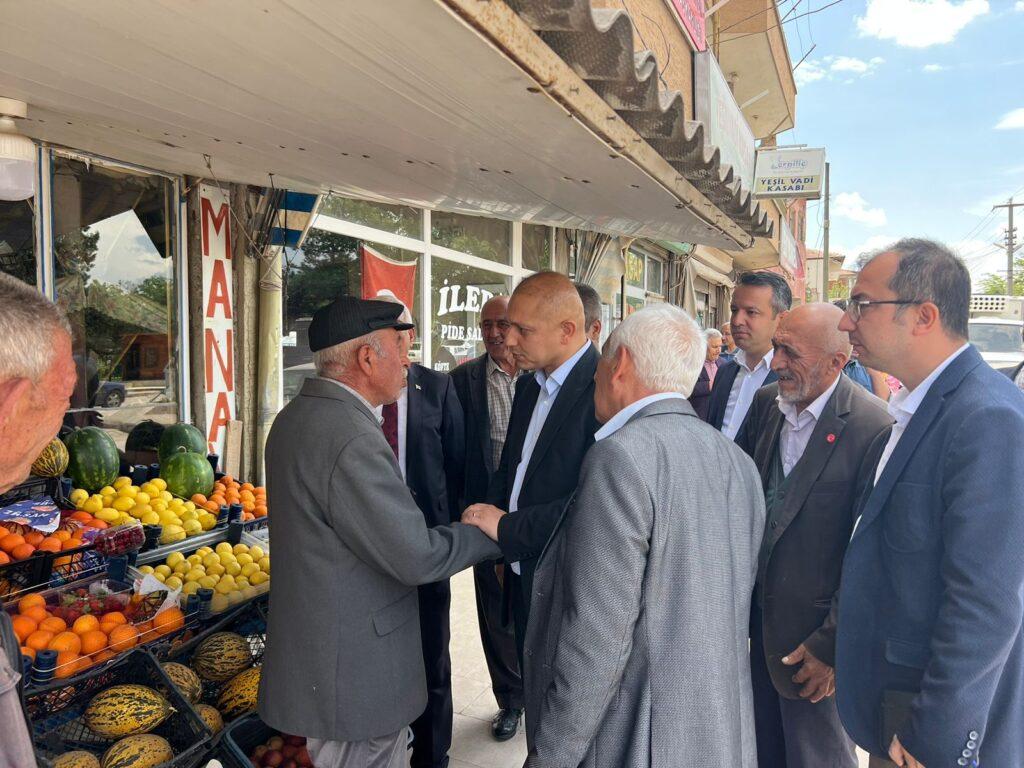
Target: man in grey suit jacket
{"type": "Point", "coordinates": [636, 648]}
{"type": "Point", "coordinates": [343, 664]}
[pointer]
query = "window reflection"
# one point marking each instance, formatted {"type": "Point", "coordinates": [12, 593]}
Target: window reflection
{"type": "Point", "coordinates": [397, 219]}
{"type": "Point", "coordinates": [17, 240]}
{"type": "Point", "coordinates": [489, 239]}
{"type": "Point", "coordinates": [536, 247]}
{"type": "Point", "coordinates": [458, 293]}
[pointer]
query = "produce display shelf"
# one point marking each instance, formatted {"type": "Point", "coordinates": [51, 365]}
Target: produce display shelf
{"type": "Point", "coordinates": [47, 569]}
{"type": "Point", "coordinates": [239, 739]}
{"type": "Point", "coordinates": [157, 555]}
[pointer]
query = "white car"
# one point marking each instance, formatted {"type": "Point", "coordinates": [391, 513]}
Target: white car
{"type": "Point", "coordinates": [1000, 342]}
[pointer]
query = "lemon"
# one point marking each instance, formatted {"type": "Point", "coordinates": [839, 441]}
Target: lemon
{"type": "Point", "coordinates": [257, 553]}
{"type": "Point", "coordinates": [258, 578]}
{"type": "Point", "coordinates": [190, 505]}
{"type": "Point", "coordinates": [180, 569]}
{"type": "Point", "coordinates": [190, 588]}
{"type": "Point", "coordinates": [208, 521]}
{"type": "Point", "coordinates": [241, 582]}
{"type": "Point", "coordinates": [224, 587]}
{"type": "Point", "coordinates": [211, 559]}
{"type": "Point", "coordinates": [125, 519]}
{"type": "Point", "coordinates": [172, 534]}
{"type": "Point", "coordinates": [249, 592]}
{"type": "Point", "coordinates": [194, 575]}
{"type": "Point", "coordinates": [128, 491]}
{"type": "Point", "coordinates": [173, 582]}
{"type": "Point", "coordinates": [208, 582]}
{"type": "Point", "coordinates": [163, 568]}
{"type": "Point", "coordinates": [223, 548]}
{"type": "Point", "coordinates": [174, 558]}
{"type": "Point", "coordinates": [265, 564]}
{"type": "Point", "coordinates": [215, 570]}
{"type": "Point", "coordinates": [235, 597]}
{"type": "Point", "coordinates": [232, 568]}
{"type": "Point", "coordinates": [108, 515]}
{"type": "Point", "coordinates": [192, 527]}
{"type": "Point", "coordinates": [244, 559]}
{"type": "Point", "coordinates": [122, 482]}
{"type": "Point", "coordinates": [92, 505]}
{"type": "Point", "coordinates": [121, 504]}
{"type": "Point", "coordinates": [204, 551]}
{"type": "Point", "coordinates": [78, 496]}
{"type": "Point", "coordinates": [219, 603]}
{"type": "Point", "coordinates": [150, 518]}
{"type": "Point", "coordinates": [249, 569]}
{"type": "Point", "coordinates": [142, 497]}
{"type": "Point", "coordinates": [226, 558]}
{"type": "Point", "coordinates": [145, 569]}
{"type": "Point", "coordinates": [167, 518]}
{"type": "Point", "coordinates": [106, 490]}
{"type": "Point", "coordinates": [185, 515]}
{"type": "Point", "coordinates": [240, 549]}
{"type": "Point", "coordinates": [167, 496]}
{"type": "Point", "coordinates": [158, 505]}
{"type": "Point", "coordinates": [159, 577]}
{"type": "Point", "coordinates": [160, 483]}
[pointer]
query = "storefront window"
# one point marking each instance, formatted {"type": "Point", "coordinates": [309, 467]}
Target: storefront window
{"type": "Point", "coordinates": [634, 269]}
{"type": "Point", "coordinates": [536, 247]}
{"type": "Point", "coordinates": [396, 219]}
{"type": "Point", "coordinates": [655, 272]}
{"type": "Point", "coordinates": [458, 293]}
{"type": "Point", "coordinates": [17, 240]}
{"type": "Point", "coordinates": [489, 239]}
{"type": "Point", "coordinates": [114, 253]}
{"type": "Point", "coordinates": [331, 265]}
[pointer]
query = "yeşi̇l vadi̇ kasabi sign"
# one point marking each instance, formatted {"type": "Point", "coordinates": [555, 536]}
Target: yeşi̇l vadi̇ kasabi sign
{"type": "Point", "coordinates": [790, 173]}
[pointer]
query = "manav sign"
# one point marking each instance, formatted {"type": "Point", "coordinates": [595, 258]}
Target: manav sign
{"type": "Point", "coordinates": [791, 173]}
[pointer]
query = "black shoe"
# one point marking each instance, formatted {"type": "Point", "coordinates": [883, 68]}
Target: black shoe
{"type": "Point", "coordinates": [505, 724]}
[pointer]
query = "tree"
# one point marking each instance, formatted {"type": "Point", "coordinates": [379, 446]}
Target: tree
{"type": "Point", "coordinates": [995, 285]}
{"type": "Point", "coordinates": [155, 288]}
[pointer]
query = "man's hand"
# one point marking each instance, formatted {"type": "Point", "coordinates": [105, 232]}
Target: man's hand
{"type": "Point", "coordinates": [485, 517]}
{"type": "Point", "coordinates": [819, 678]}
{"type": "Point", "coordinates": [900, 756]}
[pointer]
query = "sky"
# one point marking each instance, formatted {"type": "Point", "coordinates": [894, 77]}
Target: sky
{"type": "Point", "coordinates": [920, 106]}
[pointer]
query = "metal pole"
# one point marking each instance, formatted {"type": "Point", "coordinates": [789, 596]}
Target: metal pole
{"type": "Point", "coordinates": [824, 250]}
{"type": "Point", "coordinates": [1011, 237]}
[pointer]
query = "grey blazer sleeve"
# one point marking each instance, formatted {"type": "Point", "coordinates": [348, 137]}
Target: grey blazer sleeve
{"type": "Point", "coordinates": [603, 592]}
{"type": "Point", "coordinates": [372, 511]}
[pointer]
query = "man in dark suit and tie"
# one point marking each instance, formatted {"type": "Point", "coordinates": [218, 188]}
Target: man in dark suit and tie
{"type": "Point", "coordinates": [486, 387]}
{"type": "Point", "coordinates": [425, 429]}
{"type": "Point", "coordinates": [808, 434]}
{"type": "Point", "coordinates": [757, 302]}
{"type": "Point", "coordinates": [930, 647]}
{"type": "Point", "coordinates": [709, 371]}
{"type": "Point", "coordinates": [551, 428]}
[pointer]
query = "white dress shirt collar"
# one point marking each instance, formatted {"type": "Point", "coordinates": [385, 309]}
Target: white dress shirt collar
{"type": "Point", "coordinates": [618, 421]}
{"type": "Point", "coordinates": [904, 404]}
{"type": "Point", "coordinates": [766, 361]}
{"type": "Point", "coordinates": [812, 411]}
{"type": "Point", "coordinates": [557, 378]}
{"type": "Point", "coordinates": [366, 403]}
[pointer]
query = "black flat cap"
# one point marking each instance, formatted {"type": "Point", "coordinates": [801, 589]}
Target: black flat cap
{"type": "Point", "coordinates": [348, 318]}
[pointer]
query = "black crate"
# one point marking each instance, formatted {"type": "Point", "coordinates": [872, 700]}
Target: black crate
{"type": "Point", "coordinates": [49, 569]}
{"type": "Point", "coordinates": [33, 488]}
{"type": "Point", "coordinates": [240, 739]}
{"type": "Point", "coordinates": [55, 733]}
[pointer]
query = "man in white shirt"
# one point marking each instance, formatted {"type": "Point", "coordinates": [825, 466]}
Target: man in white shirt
{"type": "Point", "coordinates": [758, 301]}
{"type": "Point", "coordinates": [808, 435]}
{"type": "Point", "coordinates": [930, 646]}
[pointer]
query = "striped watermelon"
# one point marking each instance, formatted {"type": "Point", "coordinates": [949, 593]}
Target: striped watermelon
{"type": "Point", "coordinates": [187, 474]}
{"type": "Point", "coordinates": [93, 460]}
{"type": "Point", "coordinates": [179, 438]}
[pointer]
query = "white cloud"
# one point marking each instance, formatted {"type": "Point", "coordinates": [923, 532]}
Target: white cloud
{"type": "Point", "coordinates": [1012, 120]}
{"type": "Point", "coordinates": [1019, 6]}
{"type": "Point", "coordinates": [808, 72]}
{"type": "Point", "coordinates": [934, 68]}
{"type": "Point", "coordinates": [838, 68]}
{"type": "Point", "coordinates": [919, 23]}
{"type": "Point", "coordinates": [850, 205]}
{"type": "Point", "coordinates": [851, 64]}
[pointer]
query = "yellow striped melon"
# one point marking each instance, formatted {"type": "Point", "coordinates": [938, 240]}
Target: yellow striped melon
{"type": "Point", "coordinates": [211, 717]}
{"type": "Point", "coordinates": [221, 656]}
{"type": "Point", "coordinates": [77, 759]}
{"type": "Point", "coordinates": [126, 710]}
{"type": "Point", "coordinates": [51, 462]}
{"type": "Point", "coordinates": [239, 696]}
{"type": "Point", "coordinates": [144, 751]}
{"type": "Point", "coordinates": [185, 680]}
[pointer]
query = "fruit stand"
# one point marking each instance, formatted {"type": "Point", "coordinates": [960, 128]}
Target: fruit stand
{"type": "Point", "coordinates": [138, 601]}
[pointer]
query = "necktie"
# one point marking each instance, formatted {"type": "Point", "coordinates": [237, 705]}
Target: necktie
{"type": "Point", "coordinates": [390, 426]}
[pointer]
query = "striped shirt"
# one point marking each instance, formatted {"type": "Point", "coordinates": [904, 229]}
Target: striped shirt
{"type": "Point", "coordinates": [501, 389]}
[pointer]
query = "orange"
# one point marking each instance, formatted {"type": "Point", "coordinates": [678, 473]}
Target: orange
{"type": "Point", "coordinates": [227, 479]}
{"type": "Point", "coordinates": [81, 516]}
{"type": "Point", "coordinates": [39, 639]}
{"type": "Point", "coordinates": [4, 558]}
{"type": "Point", "coordinates": [62, 535]}
{"type": "Point", "coordinates": [198, 499]}
{"type": "Point", "coordinates": [212, 506]}
{"type": "Point", "coordinates": [260, 511]}
{"type": "Point", "coordinates": [146, 632]}
{"type": "Point", "coordinates": [124, 637]}
{"type": "Point", "coordinates": [92, 641]}
{"type": "Point", "coordinates": [113, 617]}
{"type": "Point", "coordinates": [217, 499]}
{"type": "Point", "coordinates": [68, 663]}
{"type": "Point", "coordinates": [23, 551]}
{"type": "Point", "coordinates": [24, 626]}
{"type": "Point", "coordinates": [37, 613]}
{"type": "Point", "coordinates": [248, 487]}
{"type": "Point", "coordinates": [30, 652]}
{"type": "Point", "coordinates": [169, 621]}
{"type": "Point", "coordinates": [86, 623]}
{"type": "Point", "coordinates": [49, 544]}
{"type": "Point", "coordinates": [72, 543]}
{"type": "Point", "coordinates": [66, 641]}
{"type": "Point", "coordinates": [105, 655]}
{"type": "Point", "coordinates": [53, 624]}
{"type": "Point", "coordinates": [96, 524]}
{"type": "Point", "coordinates": [10, 541]}
{"type": "Point", "coordinates": [33, 538]}
{"type": "Point", "coordinates": [29, 601]}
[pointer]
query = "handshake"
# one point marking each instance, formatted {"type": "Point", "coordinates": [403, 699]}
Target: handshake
{"type": "Point", "coordinates": [485, 517]}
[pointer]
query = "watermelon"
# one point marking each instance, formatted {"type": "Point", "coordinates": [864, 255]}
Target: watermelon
{"type": "Point", "coordinates": [181, 437]}
{"type": "Point", "coordinates": [93, 460]}
{"type": "Point", "coordinates": [187, 474]}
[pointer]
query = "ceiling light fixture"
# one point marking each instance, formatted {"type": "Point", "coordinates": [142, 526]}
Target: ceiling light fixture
{"type": "Point", "coordinates": [17, 154]}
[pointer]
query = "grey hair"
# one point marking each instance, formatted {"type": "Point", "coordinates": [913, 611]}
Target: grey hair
{"type": "Point", "coordinates": [713, 333]}
{"type": "Point", "coordinates": [335, 361]}
{"type": "Point", "coordinates": [28, 322]}
{"type": "Point", "coordinates": [929, 271]}
{"type": "Point", "coordinates": [666, 345]}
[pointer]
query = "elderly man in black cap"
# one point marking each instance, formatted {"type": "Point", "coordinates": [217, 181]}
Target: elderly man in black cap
{"type": "Point", "coordinates": [343, 664]}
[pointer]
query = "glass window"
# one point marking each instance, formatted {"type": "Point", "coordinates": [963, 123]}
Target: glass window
{"type": "Point", "coordinates": [489, 239]}
{"type": "Point", "coordinates": [330, 265]}
{"type": "Point", "coordinates": [536, 247]}
{"type": "Point", "coordinates": [655, 270]}
{"type": "Point", "coordinates": [458, 293]}
{"type": "Point", "coordinates": [17, 240]}
{"type": "Point", "coordinates": [396, 219]}
{"type": "Point", "coordinates": [114, 251]}
{"type": "Point", "coordinates": [634, 269]}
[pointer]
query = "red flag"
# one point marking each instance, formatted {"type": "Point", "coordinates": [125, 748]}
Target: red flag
{"type": "Point", "coordinates": [382, 275]}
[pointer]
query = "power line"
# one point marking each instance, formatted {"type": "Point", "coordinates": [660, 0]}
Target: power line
{"type": "Point", "coordinates": [775, 26]}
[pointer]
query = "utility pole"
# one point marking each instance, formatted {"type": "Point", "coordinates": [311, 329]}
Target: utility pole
{"type": "Point", "coordinates": [1011, 236]}
{"type": "Point", "coordinates": [824, 251]}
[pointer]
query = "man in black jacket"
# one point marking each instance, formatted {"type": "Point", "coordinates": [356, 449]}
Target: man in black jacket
{"type": "Point", "coordinates": [551, 428]}
{"type": "Point", "coordinates": [486, 387]}
{"type": "Point", "coordinates": [809, 435]}
{"type": "Point", "coordinates": [425, 430]}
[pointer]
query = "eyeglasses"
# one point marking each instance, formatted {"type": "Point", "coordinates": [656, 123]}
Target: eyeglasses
{"type": "Point", "coordinates": [855, 307]}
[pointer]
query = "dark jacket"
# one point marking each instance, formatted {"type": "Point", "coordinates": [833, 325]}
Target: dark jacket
{"type": "Point", "coordinates": [470, 381]}
{"type": "Point", "coordinates": [554, 467]}
{"type": "Point", "coordinates": [435, 445]}
{"type": "Point", "coordinates": [724, 380]}
{"type": "Point", "coordinates": [802, 555]}
{"type": "Point", "coordinates": [932, 594]}
{"type": "Point", "coordinates": [701, 396]}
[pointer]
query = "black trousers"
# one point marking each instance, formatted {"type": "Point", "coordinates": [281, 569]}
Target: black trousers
{"type": "Point", "coordinates": [793, 733]}
{"type": "Point", "coordinates": [432, 731]}
{"type": "Point", "coordinates": [517, 605]}
{"type": "Point", "coordinates": [498, 638]}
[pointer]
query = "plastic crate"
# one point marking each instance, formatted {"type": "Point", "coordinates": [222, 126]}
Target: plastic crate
{"type": "Point", "coordinates": [45, 569]}
{"type": "Point", "coordinates": [239, 740]}
{"type": "Point", "coordinates": [64, 731]}
{"type": "Point", "coordinates": [34, 488]}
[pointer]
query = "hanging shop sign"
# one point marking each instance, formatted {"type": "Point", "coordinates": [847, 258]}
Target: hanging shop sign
{"type": "Point", "coordinates": [726, 126]}
{"type": "Point", "coordinates": [691, 14]}
{"type": "Point", "coordinates": [789, 173]}
{"type": "Point", "coordinates": [383, 277]}
{"type": "Point", "coordinates": [218, 315]}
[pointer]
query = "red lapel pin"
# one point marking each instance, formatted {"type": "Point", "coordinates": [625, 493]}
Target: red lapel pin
{"type": "Point", "coordinates": [831, 437]}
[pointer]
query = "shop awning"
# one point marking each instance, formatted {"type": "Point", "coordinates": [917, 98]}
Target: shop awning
{"type": "Point", "coordinates": [415, 101]}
